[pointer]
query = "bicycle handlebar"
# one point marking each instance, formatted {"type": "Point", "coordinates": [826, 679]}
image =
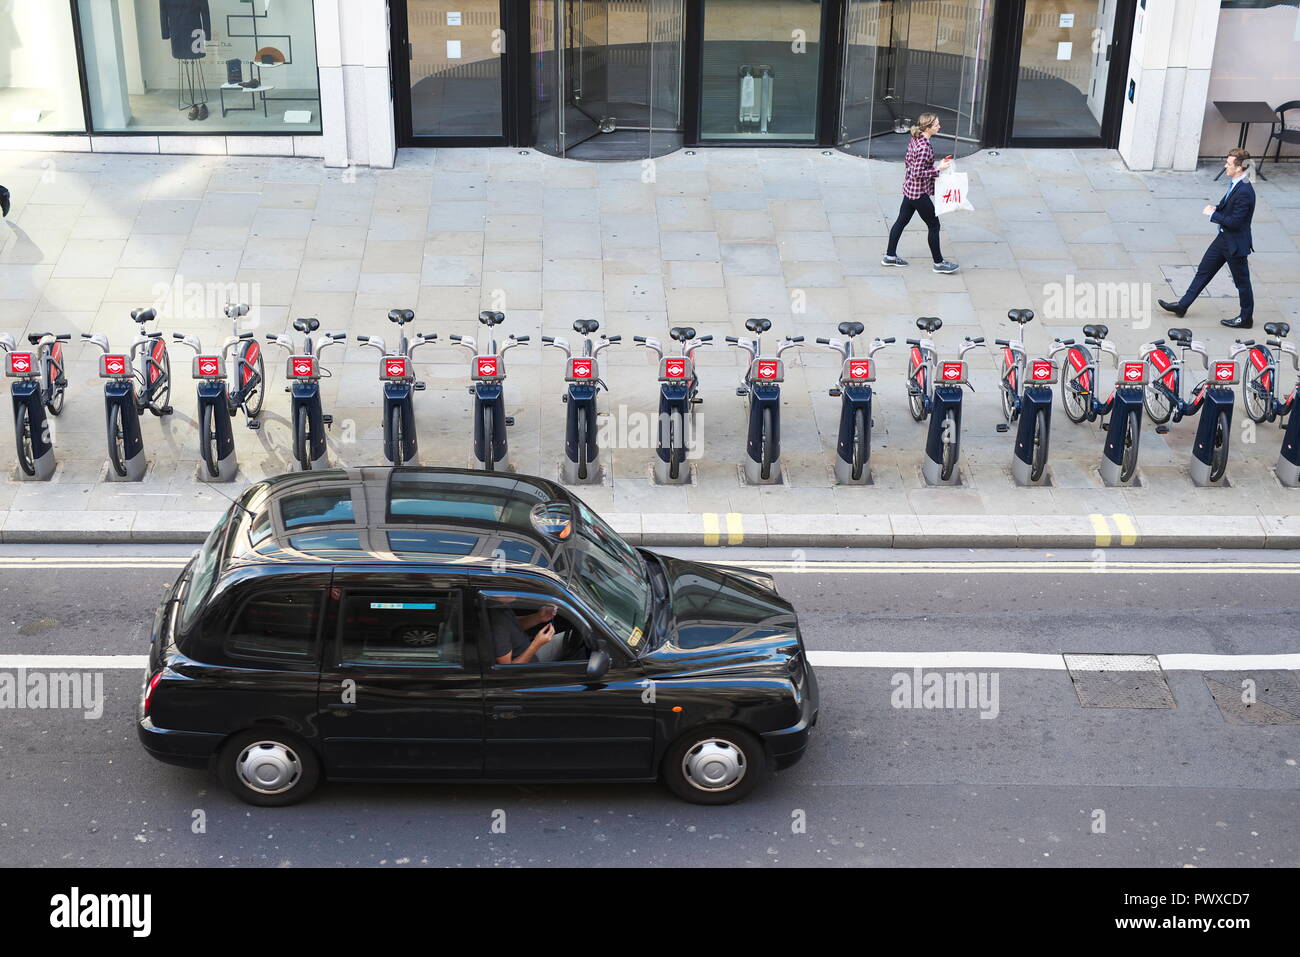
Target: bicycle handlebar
{"type": "Point", "coordinates": [612, 339]}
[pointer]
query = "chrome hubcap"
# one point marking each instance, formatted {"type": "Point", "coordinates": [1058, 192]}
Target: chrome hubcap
{"type": "Point", "coordinates": [714, 765]}
{"type": "Point", "coordinates": [420, 636]}
{"type": "Point", "coordinates": [269, 767]}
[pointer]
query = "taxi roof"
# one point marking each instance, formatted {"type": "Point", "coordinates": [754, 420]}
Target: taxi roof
{"type": "Point", "coordinates": [395, 514]}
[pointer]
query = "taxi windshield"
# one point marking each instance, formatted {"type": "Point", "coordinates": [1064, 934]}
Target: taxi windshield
{"type": "Point", "coordinates": [612, 576]}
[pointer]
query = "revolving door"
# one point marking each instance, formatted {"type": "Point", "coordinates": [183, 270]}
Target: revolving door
{"type": "Point", "coordinates": [902, 58]}
{"type": "Point", "coordinates": [605, 77]}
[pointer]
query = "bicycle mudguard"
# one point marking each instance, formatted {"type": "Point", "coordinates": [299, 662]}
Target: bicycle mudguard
{"type": "Point", "coordinates": [1162, 360]}
{"type": "Point", "coordinates": [1216, 401]}
{"type": "Point", "coordinates": [764, 398]}
{"type": "Point", "coordinates": [1079, 361]}
{"type": "Point", "coordinates": [120, 394]}
{"type": "Point", "coordinates": [853, 399]}
{"type": "Point", "coordinates": [1034, 400]}
{"type": "Point", "coordinates": [307, 395]}
{"type": "Point", "coordinates": [248, 360]}
{"type": "Point", "coordinates": [1009, 358]}
{"type": "Point", "coordinates": [947, 398]}
{"type": "Point", "coordinates": [490, 395]}
{"type": "Point", "coordinates": [157, 352]}
{"type": "Point", "coordinates": [27, 393]}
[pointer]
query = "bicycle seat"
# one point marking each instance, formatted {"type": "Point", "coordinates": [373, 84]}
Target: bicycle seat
{"type": "Point", "coordinates": [585, 327]}
{"type": "Point", "coordinates": [682, 333]}
{"type": "Point", "coordinates": [306, 325]}
{"type": "Point", "coordinates": [401, 316]}
{"type": "Point", "coordinates": [929, 323]}
{"type": "Point", "coordinates": [759, 326]}
{"type": "Point", "coordinates": [1096, 331]}
{"type": "Point", "coordinates": [490, 318]}
{"type": "Point", "coordinates": [851, 329]}
{"type": "Point", "coordinates": [144, 315]}
{"type": "Point", "coordinates": [234, 312]}
{"type": "Point", "coordinates": [1180, 336]}
{"type": "Point", "coordinates": [1279, 329]}
{"type": "Point", "coordinates": [1020, 315]}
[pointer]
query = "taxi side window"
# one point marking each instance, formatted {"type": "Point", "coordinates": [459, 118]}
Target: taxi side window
{"type": "Point", "coordinates": [515, 621]}
{"type": "Point", "coordinates": [276, 625]}
{"type": "Point", "coordinates": [401, 628]}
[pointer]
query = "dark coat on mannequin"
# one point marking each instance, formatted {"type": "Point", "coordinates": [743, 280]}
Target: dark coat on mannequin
{"type": "Point", "coordinates": [180, 18]}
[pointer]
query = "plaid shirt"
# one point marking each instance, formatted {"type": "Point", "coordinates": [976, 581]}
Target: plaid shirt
{"type": "Point", "coordinates": [918, 180]}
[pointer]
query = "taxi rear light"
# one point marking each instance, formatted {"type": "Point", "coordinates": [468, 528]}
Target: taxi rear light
{"type": "Point", "coordinates": [148, 694]}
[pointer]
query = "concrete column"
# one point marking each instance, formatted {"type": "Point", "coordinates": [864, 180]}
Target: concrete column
{"type": "Point", "coordinates": [1169, 76]}
{"type": "Point", "coordinates": [352, 39]}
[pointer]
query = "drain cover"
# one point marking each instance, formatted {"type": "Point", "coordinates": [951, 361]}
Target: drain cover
{"type": "Point", "coordinates": [1276, 694]}
{"type": "Point", "coordinates": [1119, 681]}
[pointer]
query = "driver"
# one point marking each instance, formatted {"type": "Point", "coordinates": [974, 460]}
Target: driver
{"type": "Point", "coordinates": [511, 643]}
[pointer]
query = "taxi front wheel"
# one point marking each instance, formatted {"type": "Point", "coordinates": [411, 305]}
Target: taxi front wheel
{"type": "Point", "coordinates": [268, 768]}
{"type": "Point", "coordinates": [714, 765]}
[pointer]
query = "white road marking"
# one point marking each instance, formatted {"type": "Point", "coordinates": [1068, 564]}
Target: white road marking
{"type": "Point", "coordinates": [935, 660]}
{"type": "Point", "coordinates": [1002, 568]}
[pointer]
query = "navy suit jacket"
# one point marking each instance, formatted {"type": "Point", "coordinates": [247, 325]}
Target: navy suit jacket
{"type": "Point", "coordinates": [1234, 216]}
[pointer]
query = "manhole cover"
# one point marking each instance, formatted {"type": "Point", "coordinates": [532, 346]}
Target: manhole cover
{"type": "Point", "coordinates": [1119, 681]}
{"type": "Point", "coordinates": [1255, 697]}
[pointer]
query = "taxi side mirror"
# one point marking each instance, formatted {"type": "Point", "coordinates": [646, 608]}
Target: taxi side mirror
{"type": "Point", "coordinates": [597, 665]}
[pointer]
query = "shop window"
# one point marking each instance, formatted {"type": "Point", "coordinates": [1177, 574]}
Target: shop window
{"type": "Point", "coordinates": [39, 87]}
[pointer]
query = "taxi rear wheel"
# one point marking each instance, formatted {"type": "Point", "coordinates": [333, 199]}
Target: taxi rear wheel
{"type": "Point", "coordinates": [268, 768]}
{"type": "Point", "coordinates": [714, 765]}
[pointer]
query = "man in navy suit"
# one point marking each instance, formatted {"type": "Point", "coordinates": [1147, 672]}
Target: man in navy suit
{"type": "Point", "coordinates": [1231, 245]}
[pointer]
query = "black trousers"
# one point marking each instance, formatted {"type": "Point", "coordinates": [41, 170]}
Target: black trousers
{"type": "Point", "coordinates": [1211, 263]}
{"type": "Point", "coordinates": [925, 207]}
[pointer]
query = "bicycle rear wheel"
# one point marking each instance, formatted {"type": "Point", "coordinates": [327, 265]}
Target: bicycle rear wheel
{"type": "Point", "coordinates": [23, 435]}
{"type": "Point", "coordinates": [1132, 436]}
{"type": "Point", "coordinates": [916, 391]}
{"type": "Point", "coordinates": [251, 353]}
{"type": "Point", "coordinates": [1158, 405]}
{"type": "Point", "coordinates": [676, 444]}
{"type": "Point", "coordinates": [116, 441]}
{"type": "Point", "coordinates": [1255, 398]}
{"type": "Point", "coordinates": [1074, 399]}
{"type": "Point", "coordinates": [489, 440]}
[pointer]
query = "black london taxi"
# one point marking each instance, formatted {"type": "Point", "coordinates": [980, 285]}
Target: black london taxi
{"type": "Point", "coordinates": [428, 624]}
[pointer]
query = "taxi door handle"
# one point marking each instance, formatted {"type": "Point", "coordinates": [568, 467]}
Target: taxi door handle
{"type": "Point", "coordinates": [507, 711]}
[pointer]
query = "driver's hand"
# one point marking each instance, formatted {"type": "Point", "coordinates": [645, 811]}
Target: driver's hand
{"type": "Point", "coordinates": [545, 634]}
{"type": "Point", "coordinates": [547, 612]}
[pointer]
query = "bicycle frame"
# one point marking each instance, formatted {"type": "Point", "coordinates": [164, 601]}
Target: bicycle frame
{"type": "Point", "coordinates": [488, 370]}
{"type": "Point", "coordinates": [1168, 380]}
{"type": "Point", "coordinates": [852, 463]}
{"type": "Point", "coordinates": [215, 411]}
{"type": "Point", "coordinates": [678, 397]}
{"type": "Point", "coordinates": [1264, 386]}
{"type": "Point", "coordinates": [584, 382]}
{"type": "Point", "coordinates": [122, 407]}
{"type": "Point", "coordinates": [942, 403]}
{"type": "Point", "coordinates": [304, 370]}
{"type": "Point", "coordinates": [761, 385]}
{"type": "Point", "coordinates": [1079, 373]}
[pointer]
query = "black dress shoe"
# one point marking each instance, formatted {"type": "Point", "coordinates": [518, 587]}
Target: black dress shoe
{"type": "Point", "coordinates": [1238, 323]}
{"type": "Point", "coordinates": [1173, 307]}
{"type": "Point", "coordinates": [194, 113]}
{"type": "Point", "coordinates": [4, 201]}
{"type": "Point", "coordinates": [203, 111]}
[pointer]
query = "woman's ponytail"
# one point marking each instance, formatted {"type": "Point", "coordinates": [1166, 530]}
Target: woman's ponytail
{"type": "Point", "coordinates": [923, 123]}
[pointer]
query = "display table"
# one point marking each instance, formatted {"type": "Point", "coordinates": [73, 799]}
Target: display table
{"type": "Point", "coordinates": [255, 90]}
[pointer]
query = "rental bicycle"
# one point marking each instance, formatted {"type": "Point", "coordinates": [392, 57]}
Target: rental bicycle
{"type": "Point", "coordinates": [397, 372]}
{"type": "Point", "coordinates": [678, 397]}
{"type": "Point", "coordinates": [136, 381]}
{"type": "Point", "coordinates": [761, 385]}
{"type": "Point", "coordinates": [32, 433]}
{"type": "Point", "coordinates": [304, 370]}
{"type": "Point", "coordinates": [1165, 397]}
{"type": "Point", "coordinates": [582, 373]}
{"type": "Point", "coordinates": [1017, 379]}
{"type": "Point", "coordinates": [1079, 395]}
{"type": "Point", "coordinates": [1259, 386]}
{"type": "Point", "coordinates": [857, 373]}
{"type": "Point", "coordinates": [488, 371]}
{"type": "Point", "coordinates": [924, 399]}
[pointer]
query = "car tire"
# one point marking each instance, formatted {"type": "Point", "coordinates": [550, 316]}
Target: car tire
{"type": "Point", "coordinates": [686, 765]}
{"type": "Point", "coordinates": [239, 767]}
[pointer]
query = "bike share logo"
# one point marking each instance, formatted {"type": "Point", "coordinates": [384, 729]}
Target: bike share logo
{"type": "Point", "coordinates": [1042, 371]}
{"type": "Point", "coordinates": [1225, 371]}
{"type": "Point", "coordinates": [303, 367]}
{"type": "Point", "coordinates": [952, 372]}
{"type": "Point", "coordinates": [1133, 372]}
{"type": "Point", "coordinates": [487, 367]}
{"type": "Point", "coordinates": [395, 368]}
{"type": "Point", "coordinates": [675, 368]}
{"type": "Point", "coordinates": [859, 368]}
{"type": "Point", "coordinates": [767, 369]}
{"type": "Point", "coordinates": [114, 365]}
{"type": "Point", "coordinates": [20, 363]}
{"type": "Point", "coordinates": [581, 368]}
{"type": "Point", "coordinates": [209, 365]}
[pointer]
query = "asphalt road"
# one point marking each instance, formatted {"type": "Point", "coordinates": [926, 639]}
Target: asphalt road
{"type": "Point", "coordinates": [1045, 781]}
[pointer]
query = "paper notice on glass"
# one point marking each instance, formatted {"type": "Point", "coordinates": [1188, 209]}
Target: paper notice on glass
{"type": "Point", "coordinates": [1067, 21]}
{"type": "Point", "coordinates": [453, 49]}
{"type": "Point", "coordinates": [1064, 50]}
{"type": "Point", "coordinates": [453, 19]}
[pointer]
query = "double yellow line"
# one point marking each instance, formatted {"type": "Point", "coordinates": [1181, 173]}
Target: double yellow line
{"type": "Point", "coordinates": [1124, 526]}
{"type": "Point", "coordinates": [713, 522]}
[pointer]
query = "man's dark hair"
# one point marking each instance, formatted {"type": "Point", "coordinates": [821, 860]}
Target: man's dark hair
{"type": "Point", "coordinates": [1240, 157]}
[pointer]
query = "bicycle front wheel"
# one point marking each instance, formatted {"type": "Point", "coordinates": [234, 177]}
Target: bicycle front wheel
{"type": "Point", "coordinates": [1157, 404]}
{"type": "Point", "coordinates": [1132, 436]}
{"type": "Point", "coordinates": [1038, 461]}
{"type": "Point", "coordinates": [301, 444]}
{"type": "Point", "coordinates": [396, 450]}
{"type": "Point", "coordinates": [582, 444]}
{"type": "Point", "coordinates": [116, 441]}
{"type": "Point", "coordinates": [489, 440]}
{"type": "Point", "coordinates": [1219, 454]}
{"type": "Point", "coordinates": [676, 444]}
{"type": "Point", "coordinates": [208, 441]}
{"type": "Point", "coordinates": [765, 463]}
{"type": "Point", "coordinates": [23, 435]}
{"type": "Point", "coordinates": [861, 443]}
{"type": "Point", "coordinates": [949, 446]}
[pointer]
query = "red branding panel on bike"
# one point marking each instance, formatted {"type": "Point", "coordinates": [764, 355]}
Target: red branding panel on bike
{"type": "Point", "coordinates": [1042, 372]}
{"type": "Point", "coordinates": [769, 370]}
{"type": "Point", "coordinates": [301, 367]}
{"type": "Point", "coordinates": [674, 369]}
{"type": "Point", "coordinates": [394, 367]}
{"type": "Point", "coordinates": [859, 370]}
{"type": "Point", "coordinates": [114, 367]}
{"type": "Point", "coordinates": [20, 364]}
{"type": "Point", "coordinates": [488, 367]}
{"type": "Point", "coordinates": [209, 367]}
{"type": "Point", "coordinates": [952, 373]}
{"type": "Point", "coordinates": [581, 370]}
{"type": "Point", "coordinates": [1225, 373]}
{"type": "Point", "coordinates": [1133, 373]}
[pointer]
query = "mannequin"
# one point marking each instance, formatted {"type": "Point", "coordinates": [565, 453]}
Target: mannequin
{"type": "Point", "coordinates": [188, 24]}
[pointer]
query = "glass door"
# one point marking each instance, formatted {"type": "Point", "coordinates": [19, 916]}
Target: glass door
{"type": "Point", "coordinates": [1061, 85]}
{"type": "Point", "coordinates": [455, 63]}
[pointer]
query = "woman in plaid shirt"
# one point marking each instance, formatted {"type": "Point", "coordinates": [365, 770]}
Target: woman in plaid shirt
{"type": "Point", "coordinates": [918, 187]}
